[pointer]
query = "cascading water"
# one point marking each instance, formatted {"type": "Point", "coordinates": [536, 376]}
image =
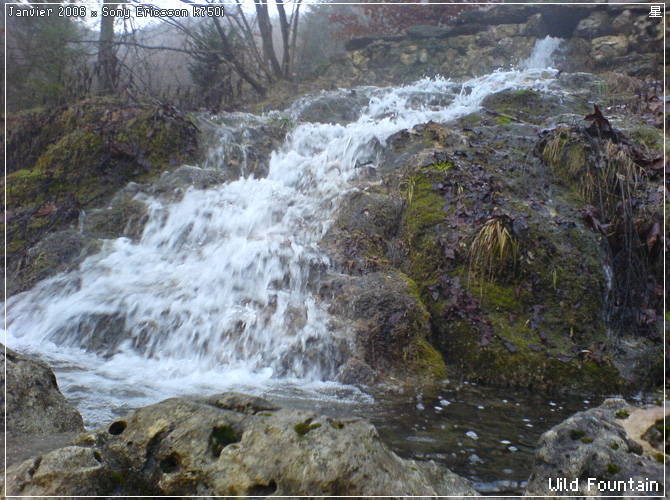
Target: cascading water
{"type": "Point", "coordinates": [216, 294]}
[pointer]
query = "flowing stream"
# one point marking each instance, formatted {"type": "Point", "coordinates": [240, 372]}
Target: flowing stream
{"type": "Point", "coordinates": [216, 294]}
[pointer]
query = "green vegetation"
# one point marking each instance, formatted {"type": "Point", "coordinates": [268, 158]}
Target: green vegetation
{"type": "Point", "coordinates": [303, 428]}
{"type": "Point", "coordinates": [76, 157]}
{"type": "Point", "coordinates": [612, 469]}
{"type": "Point", "coordinates": [492, 249]}
{"type": "Point", "coordinates": [222, 436]}
{"type": "Point", "coordinates": [283, 122]}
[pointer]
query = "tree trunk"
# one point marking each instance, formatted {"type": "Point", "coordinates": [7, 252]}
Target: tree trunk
{"type": "Point", "coordinates": [265, 27]}
{"type": "Point", "coordinates": [285, 28]}
{"type": "Point", "coordinates": [107, 62]}
{"type": "Point", "coordinates": [230, 56]}
{"type": "Point", "coordinates": [294, 41]}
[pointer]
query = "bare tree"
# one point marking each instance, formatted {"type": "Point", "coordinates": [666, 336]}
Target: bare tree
{"type": "Point", "coordinates": [107, 67]}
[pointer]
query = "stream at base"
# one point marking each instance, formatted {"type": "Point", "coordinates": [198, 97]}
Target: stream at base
{"type": "Point", "coordinates": [485, 434]}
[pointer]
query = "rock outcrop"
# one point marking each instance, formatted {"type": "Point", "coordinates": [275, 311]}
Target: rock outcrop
{"type": "Point", "coordinates": [230, 444]}
{"type": "Point", "coordinates": [414, 275]}
{"type": "Point", "coordinates": [599, 38]}
{"type": "Point", "coordinates": [602, 451]}
{"type": "Point", "coordinates": [35, 404]}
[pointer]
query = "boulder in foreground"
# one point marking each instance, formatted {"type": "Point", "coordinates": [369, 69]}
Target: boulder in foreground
{"type": "Point", "coordinates": [35, 404]}
{"type": "Point", "coordinates": [609, 450]}
{"type": "Point", "coordinates": [230, 444]}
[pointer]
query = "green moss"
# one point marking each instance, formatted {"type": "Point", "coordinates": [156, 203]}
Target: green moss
{"type": "Point", "coordinates": [660, 458]}
{"type": "Point", "coordinates": [577, 434]}
{"type": "Point", "coordinates": [422, 216]}
{"type": "Point", "coordinates": [423, 359]}
{"type": "Point", "coordinates": [471, 120]}
{"type": "Point", "coordinates": [649, 136]}
{"type": "Point", "coordinates": [439, 167]}
{"type": "Point", "coordinates": [622, 414]}
{"type": "Point", "coordinates": [502, 120]}
{"type": "Point", "coordinates": [612, 469]}
{"type": "Point", "coordinates": [615, 446]}
{"type": "Point", "coordinates": [303, 428]}
{"type": "Point", "coordinates": [78, 156]}
{"type": "Point", "coordinates": [222, 436]}
{"type": "Point", "coordinates": [499, 297]}
{"type": "Point", "coordinates": [587, 440]}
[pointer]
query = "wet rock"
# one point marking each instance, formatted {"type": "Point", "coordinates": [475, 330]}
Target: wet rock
{"type": "Point", "coordinates": [390, 327]}
{"type": "Point", "coordinates": [183, 448]}
{"type": "Point", "coordinates": [337, 107]}
{"type": "Point", "coordinates": [35, 404]}
{"type": "Point", "coordinates": [595, 449]}
{"type": "Point", "coordinates": [507, 14]}
{"type": "Point", "coordinates": [537, 323]}
{"type": "Point", "coordinates": [426, 31]}
{"type": "Point", "coordinates": [125, 217]}
{"type": "Point", "coordinates": [359, 42]}
{"type": "Point", "coordinates": [240, 403]}
{"type": "Point", "coordinates": [185, 177]}
{"type": "Point", "coordinates": [57, 252]}
{"type": "Point", "coordinates": [21, 447]}
{"type": "Point", "coordinates": [531, 106]}
{"type": "Point", "coordinates": [596, 25]}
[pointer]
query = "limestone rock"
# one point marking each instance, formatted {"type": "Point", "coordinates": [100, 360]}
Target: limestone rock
{"type": "Point", "coordinates": [61, 472]}
{"type": "Point", "coordinates": [35, 405]}
{"type": "Point", "coordinates": [607, 48]}
{"type": "Point", "coordinates": [426, 31]}
{"type": "Point", "coordinates": [181, 447]}
{"type": "Point", "coordinates": [595, 444]}
{"type": "Point", "coordinates": [596, 25]}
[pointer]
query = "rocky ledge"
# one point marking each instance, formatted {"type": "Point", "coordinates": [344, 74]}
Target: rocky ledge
{"type": "Point", "coordinates": [230, 444]}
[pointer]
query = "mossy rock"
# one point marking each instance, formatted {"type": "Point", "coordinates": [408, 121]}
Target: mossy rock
{"type": "Point", "coordinates": [390, 326]}
{"type": "Point", "coordinates": [57, 252]}
{"type": "Point", "coordinates": [532, 106]}
{"type": "Point", "coordinates": [526, 325]}
{"type": "Point", "coordinates": [364, 232]}
{"type": "Point", "coordinates": [125, 218]}
{"type": "Point", "coordinates": [77, 159]}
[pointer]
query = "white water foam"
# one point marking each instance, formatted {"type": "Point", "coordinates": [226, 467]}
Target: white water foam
{"type": "Point", "coordinates": [542, 54]}
{"type": "Point", "coordinates": [216, 294]}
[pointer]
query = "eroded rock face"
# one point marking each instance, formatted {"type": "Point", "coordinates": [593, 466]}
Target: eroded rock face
{"type": "Point", "coordinates": [601, 451]}
{"type": "Point", "coordinates": [410, 282]}
{"type": "Point", "coordinates": [599, 38]}
{"type": "Point", "coordinates": [230, 444]}
{"type": "Point", "coordinates": [35, 405]}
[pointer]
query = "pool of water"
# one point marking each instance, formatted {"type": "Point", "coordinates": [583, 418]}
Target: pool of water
{"type": "Point", "coordinates": [485, 434]}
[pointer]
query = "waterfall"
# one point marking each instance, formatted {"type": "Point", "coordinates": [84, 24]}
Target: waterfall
{"type": "Point", "coordinates": [541, 55]}
{"type": "Point", "coordinates": [217, 292]}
